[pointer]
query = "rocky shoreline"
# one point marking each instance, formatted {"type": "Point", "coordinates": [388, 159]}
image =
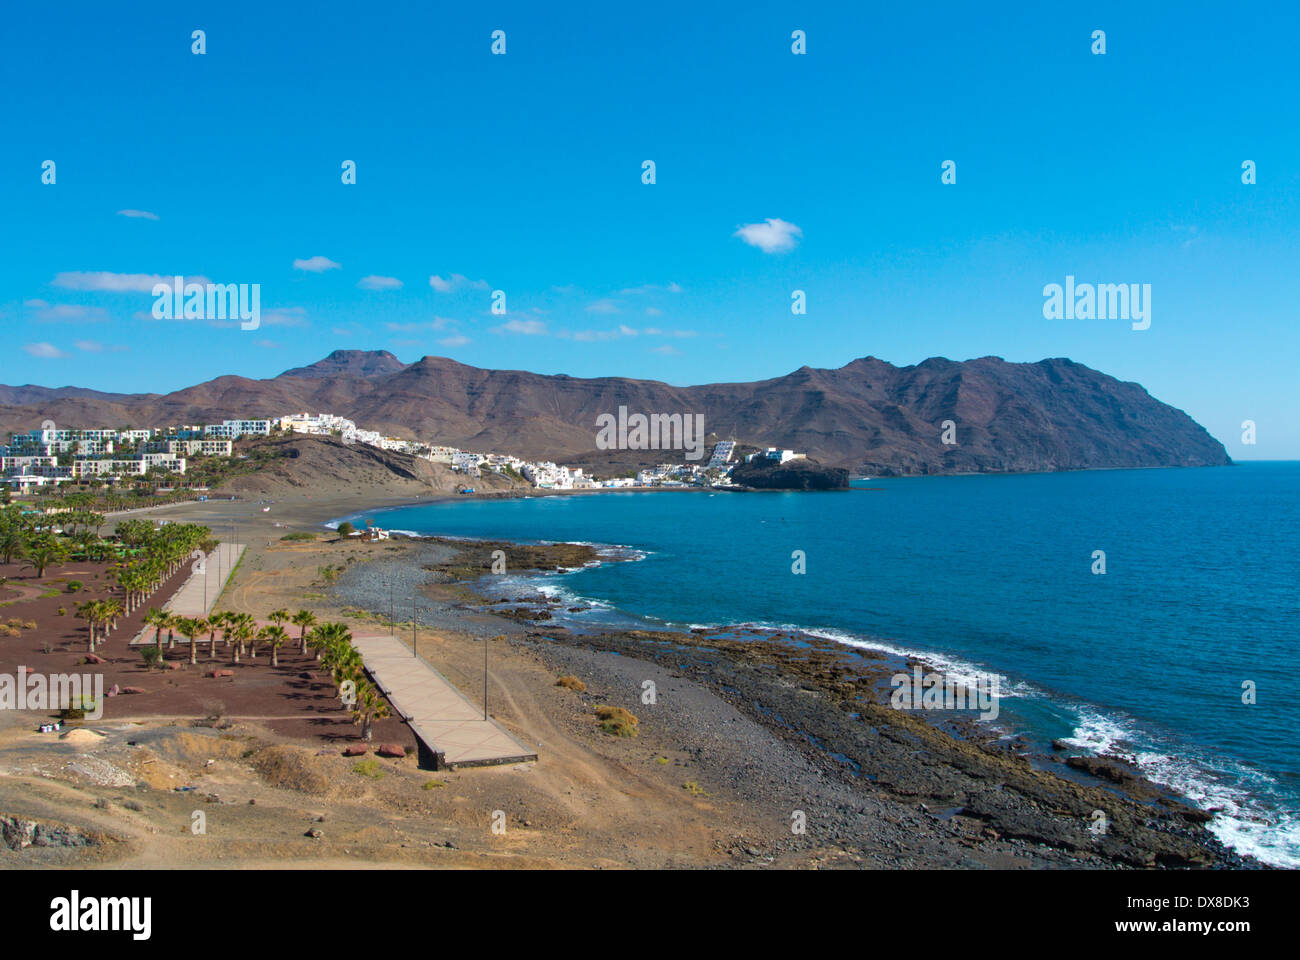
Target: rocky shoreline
{"type": "Point", "coordinates": [897, 788]}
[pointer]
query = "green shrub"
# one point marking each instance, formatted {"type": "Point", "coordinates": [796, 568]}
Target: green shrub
{"type": "Point", "coordinates": [368, 767]}
{"type": "Point", "coordinates": [73, 586]}
{"type": "Point", "coordinates": [616, 721]}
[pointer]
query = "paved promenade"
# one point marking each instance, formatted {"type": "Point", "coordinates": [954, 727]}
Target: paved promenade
{"type": "Point", "coordinates": [447, 723]}
{"type": "Point", "coordinates": [198, 594]}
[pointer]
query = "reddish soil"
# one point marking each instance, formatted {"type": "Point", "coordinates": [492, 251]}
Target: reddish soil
{"type": "Point", "coordinates": [281, 697]}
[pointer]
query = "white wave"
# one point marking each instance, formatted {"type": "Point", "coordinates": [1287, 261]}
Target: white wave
{"type": "Point", "coordinates": [954, 668]}
{"type": "Point", "coordinates": [1232, 791]}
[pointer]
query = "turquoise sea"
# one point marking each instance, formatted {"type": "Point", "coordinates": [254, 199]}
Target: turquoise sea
{"type": "Point", "coordinates": [995, 573]}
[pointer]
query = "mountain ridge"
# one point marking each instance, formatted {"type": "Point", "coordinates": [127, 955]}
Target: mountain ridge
{"type": "Point", "coordinates": [867, 415]}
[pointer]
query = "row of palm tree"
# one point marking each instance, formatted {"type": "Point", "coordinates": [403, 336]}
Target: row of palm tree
{"type": "Point", "coordinates": [335, 652]}
{"type": "Point", "coordinates": [100, 613]}
{"type": "Point", "coordinates": [332, 643]}
{"type": "Point", "coordinates": [239, 631]}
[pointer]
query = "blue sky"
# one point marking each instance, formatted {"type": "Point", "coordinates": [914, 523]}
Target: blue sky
{"type": "Point", "coordinates": [523, 173]}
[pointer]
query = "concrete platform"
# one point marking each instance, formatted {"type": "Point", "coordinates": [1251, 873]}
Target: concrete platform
{"type": "Point", "coordinates": [450, 727]}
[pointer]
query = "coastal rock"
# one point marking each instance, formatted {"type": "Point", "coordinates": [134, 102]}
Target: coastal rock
{"type": "Point", "coordinates": [762, 474]}
{"type": "Point", "coordinates": [134, 690]}
{"type": "Point", "coordinates": [1118, 772]}
{"type": "Point", "coordinates": [355, 750]}
{"type": "Point", "coordinates": [395, 750]}
{"type": "Point", "coordinates": [94, 658]}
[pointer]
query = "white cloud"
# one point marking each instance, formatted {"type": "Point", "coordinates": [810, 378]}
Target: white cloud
{"type": "Point", "coordinates": [649, 288]}
{"type": "Point", "coordinates": [138, 214]}
{"type": "Point", "coordinates": [455, 281]}
{"type": "Point", "coordinates": [667, 350]}
{"type": "Point", "coordinates": [376, 282]}
{"type": "Point", "coordinates": [530, 328]}
{"type": "Point", "coordinates": [316, 264]}
{"type": "Point", "coordinates": [94, 346]}
{"type": "Point", "coordinates": [623, 330]}
{"type": "Point", "coordinates": [46, 351]}
{"type": "Point", "coordinates": [456, 341]}
{"type": "Point", "coordinates": [605, 305]}
{"type": "Point", "coordinates": [285, 317]}
{"type": "Point", "coordinates": [109, 282]}
{"type": "Point", "coordinates": [268, 344]}
{"type": "Point", "coordinates": [653, 312]}
{"type": "Point", "coordinates": [65, 312]}
{"type": "Point", "coordinates": [772, 236]}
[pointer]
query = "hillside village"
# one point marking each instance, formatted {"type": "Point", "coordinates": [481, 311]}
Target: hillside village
{"type": "Point", "coordinates": [51, 456]}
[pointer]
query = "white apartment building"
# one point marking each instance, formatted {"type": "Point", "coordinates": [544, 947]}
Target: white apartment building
{"type": "Point", "coordinates": [188, 448]}
{"type": "Point", "coordinates": [234, 429]}
{"type": "Point", "coordinates": [722, 453]}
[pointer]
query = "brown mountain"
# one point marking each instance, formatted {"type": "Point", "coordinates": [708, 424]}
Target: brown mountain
{"type": "Point", "coordinates": [869, 415]}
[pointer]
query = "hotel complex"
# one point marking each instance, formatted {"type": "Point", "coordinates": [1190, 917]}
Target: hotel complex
{"type": "Point", "coordinates": [49, 456]}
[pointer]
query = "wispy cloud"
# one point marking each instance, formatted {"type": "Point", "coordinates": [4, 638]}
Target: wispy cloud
{"type": "Point", "coordinates": [531, 328]}
{"type": "Point", "coordinates": [667, 349]}
{"type": "Point", "coordinates": [138, 214]}
{"type": "Point", "coordinates": [285, 317]}
{"type": "Point", "coordinates": [44, 312]}
{"type": "Point", "coordinates": [94, 346]}
{"type": "Point", "coordinates": [317, 264]}
{"type": "Point", "coordinates": [620, 332]}
{"type": "Point", "coordinates": [376, 282]}
{"type": "Point", "coordinates": [649, 288]}
{"type": "Point", "coordinates": [454, 282]}
{"type": "Point", "coordinates": [268, 344]}
{"type": "Point", "coordinates": [605, 305]}
{"type": "Point", "coordinates": [46, 351]}
{"type": "Point", "coordinates": [109, 282]}
{"type": "Point", "coordinates": [455, 341]}
{"type": "Point", "coordinates": [772, 236]}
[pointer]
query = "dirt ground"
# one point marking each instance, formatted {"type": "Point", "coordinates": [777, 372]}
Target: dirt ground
{"type": "Point", "coordinates": [259, 754]}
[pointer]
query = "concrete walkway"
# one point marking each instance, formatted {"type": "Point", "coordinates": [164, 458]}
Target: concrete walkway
{"type": "Point", "coordinates": [198, 595]}
{"type": "Point", "coordinates": [450, 727]}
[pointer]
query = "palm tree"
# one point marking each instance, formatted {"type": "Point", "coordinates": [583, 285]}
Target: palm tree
{"type": "Point", "coordinates": [13, 538]}
{"type": "Point", "coordinates": [328, 636]}
{"type": "Point", "coordinates": [370, 707]}
{"type": "Point", "coordinates": [303, 619]}
{"type": "Point", "coordinates": [191, 628]}
{"type": "Point", "coordinates": [89, 611]}
{"type": "Point", "coordinates": [159, 620]}
{"type": "Point", "coordinates": [278, 617]}
{"type": "Point", "coordinates": [243, 627]}
{"type": "Point", "coordinates": [45, 551]}
{"type": "Point", "coordinates": [275, 636]}
{"type": "Point", "coordinates": [112, 609]}
{"type": "Point", "coordinates": [215, 622]}
{"type": "Point", "coordinates": [173, 621]}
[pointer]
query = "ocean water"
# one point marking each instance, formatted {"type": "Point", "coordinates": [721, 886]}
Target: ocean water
{"type": "Point", "coordinates": [995, 574]}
